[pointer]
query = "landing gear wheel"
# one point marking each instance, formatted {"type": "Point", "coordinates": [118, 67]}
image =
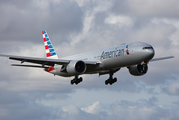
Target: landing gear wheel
{"type": "Point", "coordinates": [76, 80]}
{"type": "Point", "coordinates": [72, 82]}
{"type": "Point", "coordinates": [110, 81]}
{"type": "Point", "coordinates": [106, 82]}
{"type": "Point", "coordinates": [80, 79]}
{"type": "Point", "coordinates": [115, 80]}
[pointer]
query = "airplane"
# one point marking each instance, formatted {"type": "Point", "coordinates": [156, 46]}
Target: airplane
{"type": "Point", "coordinates": [135, 56]}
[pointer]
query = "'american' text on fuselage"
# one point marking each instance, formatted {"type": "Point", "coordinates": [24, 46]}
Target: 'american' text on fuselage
{"type": "Point", "coordinates": [112, 54]}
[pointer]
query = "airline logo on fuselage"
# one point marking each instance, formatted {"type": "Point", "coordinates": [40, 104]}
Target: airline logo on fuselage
{"type": "Point", "coordinates": [112, 54]}
{"type": "Point", "coordinates": [127, 51]}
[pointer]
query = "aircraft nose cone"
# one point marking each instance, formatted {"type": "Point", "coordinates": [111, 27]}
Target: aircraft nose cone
{"type": "Point", "coordinates": [150, 53]}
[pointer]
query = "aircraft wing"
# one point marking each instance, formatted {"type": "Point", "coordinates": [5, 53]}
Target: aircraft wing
{"type": "Point", "coordinates": [162, 58]}
{"type": "Point", "coordinates": [42, 61]}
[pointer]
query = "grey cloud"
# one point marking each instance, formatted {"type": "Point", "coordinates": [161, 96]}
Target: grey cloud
{"type": "Point", "coordinates": [140, 103]}
{"type": "Point", "coordinates": [27, 108]}
{"type": "Point", "coordinates": [25, 24]}
{"type": "Point", "coordinates": [141, 109]}
{"type": "Point", "coordinates": [152, 91]}
{"type": "Point", "coordinates": [160, 8]}
{"type": "Point", "coordinates": [10, 98]}
{"type": "Point", "coordinates": [176, 103]}
{"type": "Point", "coordinates": [171, 89]}
{"type": "Point", "coordinates": [16, 106]}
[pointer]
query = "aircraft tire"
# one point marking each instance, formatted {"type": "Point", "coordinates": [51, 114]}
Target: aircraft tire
{"type": "Point", "coordinates": [76, 81]}
{"type": "Point", "coordinates": [115, 80]}
{"type": "Point", "coordinates": [111, 81]}
{"type": "Point", "coordinates": [106, 82]}
{"type": "Point", "coordinates": [72, 82]}
{"type": "Point", "coordinates": [80, 79]}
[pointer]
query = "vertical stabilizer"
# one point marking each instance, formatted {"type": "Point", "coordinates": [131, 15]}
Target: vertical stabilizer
{"type": "Point", "coordinates": [50, 52]}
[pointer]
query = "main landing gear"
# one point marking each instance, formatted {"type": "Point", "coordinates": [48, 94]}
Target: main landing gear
{"type": "Point", "coordinates": [76, 80]}
{"type": "Point", "coordinates": [111, 80]}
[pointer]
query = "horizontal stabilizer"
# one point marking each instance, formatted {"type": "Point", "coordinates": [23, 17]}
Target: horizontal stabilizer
{"type": "Point", "coordinates": [36, 66]}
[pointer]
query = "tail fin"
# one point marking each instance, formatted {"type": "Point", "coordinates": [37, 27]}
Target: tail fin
{"type": "Point", "coordinates": [50, 52]}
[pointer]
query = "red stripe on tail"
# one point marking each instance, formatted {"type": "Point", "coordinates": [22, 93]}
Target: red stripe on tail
{"type": "Point", "coordinates": [48, 55]}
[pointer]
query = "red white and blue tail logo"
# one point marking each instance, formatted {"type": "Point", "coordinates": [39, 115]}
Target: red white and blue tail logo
{"type": "Point", "coordinates": [50, 52]}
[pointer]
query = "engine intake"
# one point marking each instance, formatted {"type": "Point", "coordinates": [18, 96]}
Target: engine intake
{"type": "Point", "coordinates": [76, 67]}
{"type": "Point", "coordinates": [138, 70]}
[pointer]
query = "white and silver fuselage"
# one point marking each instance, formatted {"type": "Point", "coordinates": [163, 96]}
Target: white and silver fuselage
{"type": "Point", "coordinates": [112, 58]}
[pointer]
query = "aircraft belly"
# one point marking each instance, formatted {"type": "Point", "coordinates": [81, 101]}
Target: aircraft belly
{"type": "Point", "coordinates": [90, 69]}
{"type": "Point", "coordinates": [108, 64]}
{"type": "Point", "coordinates": [123, 61]}
{"type": "Point", "coordinates": [115, 62]}
{"type": "Point", "coordinates": [133, 60]}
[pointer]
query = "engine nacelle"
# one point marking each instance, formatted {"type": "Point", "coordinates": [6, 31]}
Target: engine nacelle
{"type": "Point", "coordinates": [76, 67]}
{"type": "Point", "coordinates": [138, 70]}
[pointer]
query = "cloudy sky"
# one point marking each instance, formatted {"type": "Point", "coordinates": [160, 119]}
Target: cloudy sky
{"type": "Point", "coordinates": [77, 26]}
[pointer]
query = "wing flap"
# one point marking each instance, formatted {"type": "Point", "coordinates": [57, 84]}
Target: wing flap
{"type": "Point", "coordinates": [35, 66]}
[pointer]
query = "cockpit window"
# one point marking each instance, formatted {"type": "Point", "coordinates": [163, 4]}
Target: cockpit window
{"type": "Point", "coordinates": [144, 48]}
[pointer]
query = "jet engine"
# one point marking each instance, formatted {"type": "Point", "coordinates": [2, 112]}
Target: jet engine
{"type": "Point", "coordinates": [76, 67]}
{"type": "Point", "coordinates": [138, 70]}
